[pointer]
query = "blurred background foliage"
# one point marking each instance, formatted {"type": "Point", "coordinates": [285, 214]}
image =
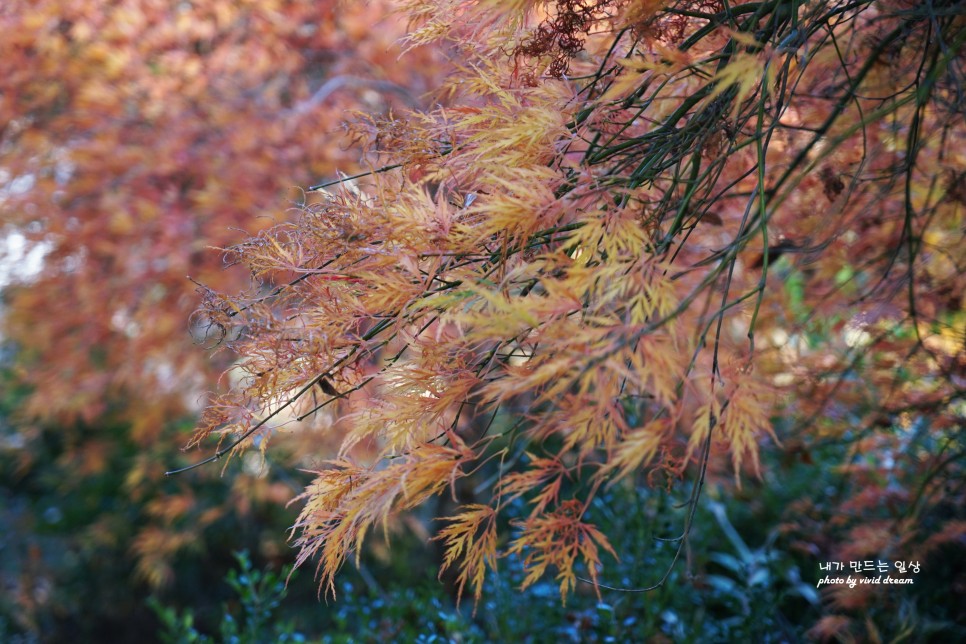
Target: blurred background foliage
{"type": "Point", "coordinates": [136, 138]}
{"type": "Point", "coordinates": [75, 541]}
{"type": "Point", "coordinates": [137, 134]}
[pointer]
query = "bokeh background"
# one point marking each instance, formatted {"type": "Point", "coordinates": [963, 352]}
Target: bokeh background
{"type": "Point", "coordinates": [137, 138]}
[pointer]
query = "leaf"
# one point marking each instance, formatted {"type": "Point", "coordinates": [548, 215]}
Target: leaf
{"type": "Point", "coordinates": [472, 536]}
{"type": "Point", "coordinates": [557, 539]}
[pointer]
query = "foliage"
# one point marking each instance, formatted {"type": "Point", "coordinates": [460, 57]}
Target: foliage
{"type": "Point", "coordinates": [638, 233]}
{"type": "Point", "coordinates": [85, 543]}
{"type": "Point", "coordinates": [412, 614]}
{"type": "Point", "coordinates": [259, 594]}
{"type": "Point", "coordinates": [138, 133]}
{"type": "Point", "coordinates": [747, 578]}
{"type": "Point", "coordinates": [631, 245]}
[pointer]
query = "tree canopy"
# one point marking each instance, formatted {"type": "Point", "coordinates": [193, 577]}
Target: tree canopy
{"type": "Point", "coordinates": [638, 242]}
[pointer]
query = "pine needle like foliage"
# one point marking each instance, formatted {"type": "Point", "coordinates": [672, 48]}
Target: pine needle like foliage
{"type": "Point", "coordinates": [634, 234]}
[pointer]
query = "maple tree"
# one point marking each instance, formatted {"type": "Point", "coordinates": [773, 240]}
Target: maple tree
{"type": "Point", "coordinates": [633, 242]}
{"type": "Point", "coordinates": [637, 233]}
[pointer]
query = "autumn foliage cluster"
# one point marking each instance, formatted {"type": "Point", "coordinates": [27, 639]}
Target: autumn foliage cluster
{"type": "Point", "coordinates": [624, 243]}
{"type": "Point", "coordinates": [137, 134]}
{"type": "Point", "coordinates": [638, 242]}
